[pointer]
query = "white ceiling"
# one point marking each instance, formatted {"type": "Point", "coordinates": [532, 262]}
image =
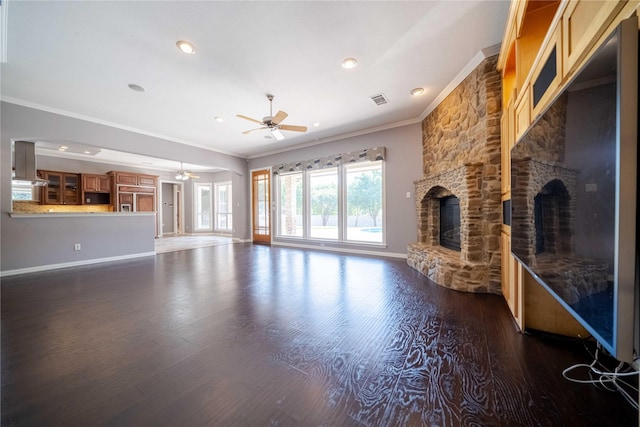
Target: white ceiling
{"type": "Point", "coordinates": [78, 58]}
{"type": "Point", "coordinates": [87, 153]}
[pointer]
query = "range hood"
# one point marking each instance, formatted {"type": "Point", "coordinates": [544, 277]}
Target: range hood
{"type": "Point", "coordinates": [25, 165]}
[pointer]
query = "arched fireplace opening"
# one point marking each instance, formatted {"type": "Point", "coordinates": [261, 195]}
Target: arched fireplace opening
{"type": "Point", "coordinates": [450, 222]}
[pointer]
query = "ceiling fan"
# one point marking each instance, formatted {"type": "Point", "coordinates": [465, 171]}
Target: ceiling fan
{"type": "Point", "coordinates": [272, 122]}
{"type": "Point", "coordinates": [184, 175]}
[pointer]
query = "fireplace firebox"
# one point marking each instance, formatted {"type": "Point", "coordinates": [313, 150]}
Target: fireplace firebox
{"type": "Point", "coordinates": [450, 223]}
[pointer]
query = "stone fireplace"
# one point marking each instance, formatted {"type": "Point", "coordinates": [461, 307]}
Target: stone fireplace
{"type": "Point", "coordinates": [461, 158]}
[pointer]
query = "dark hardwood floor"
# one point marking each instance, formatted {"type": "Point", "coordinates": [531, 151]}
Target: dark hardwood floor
{"type": "Point", "coordinates": [252, 335]}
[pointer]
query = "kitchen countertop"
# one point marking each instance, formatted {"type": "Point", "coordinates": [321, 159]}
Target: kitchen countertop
{"type": "Point", "coordinates": [74, 214]}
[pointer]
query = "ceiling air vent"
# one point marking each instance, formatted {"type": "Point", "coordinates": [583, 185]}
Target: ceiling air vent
{"type": "Point", "coordinates": [380, 99]}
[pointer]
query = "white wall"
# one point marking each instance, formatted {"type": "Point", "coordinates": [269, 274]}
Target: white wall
{"type": "Point", "coordinates": [403, 165]}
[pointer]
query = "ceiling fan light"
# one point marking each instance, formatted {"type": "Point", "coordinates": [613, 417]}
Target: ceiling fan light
{"type": "Point", "coordinates": [277, 134]}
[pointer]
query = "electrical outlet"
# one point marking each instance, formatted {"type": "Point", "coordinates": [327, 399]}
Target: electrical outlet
{"type": "Point", "coordinates": [77, 247]}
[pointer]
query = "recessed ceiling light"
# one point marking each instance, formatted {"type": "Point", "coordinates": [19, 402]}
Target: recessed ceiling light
{"type": "Point", "coordinates": [87, 152]}
{"type": "Point", "coordinates": [219, 119]}
{"type": "Point", "coordinates": [349, 63]}
{"type": "Point", "coordinates": [186, 47]}
{"type": "Point", "coordinates": [417, 91]}
{"type": "Point", "coordinates": [136, 87]}
{"type": "Point", "coordinates": [267, 137]}
{"type": "Point", "coordinates": [316, 124]}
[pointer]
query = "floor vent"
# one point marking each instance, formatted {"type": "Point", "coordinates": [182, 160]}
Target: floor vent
{"type": "Point", "coordinates": [380, 99]}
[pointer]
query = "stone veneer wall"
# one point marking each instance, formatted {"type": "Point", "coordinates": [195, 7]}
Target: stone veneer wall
{"type": "Point", "coordinates": [461, 157]}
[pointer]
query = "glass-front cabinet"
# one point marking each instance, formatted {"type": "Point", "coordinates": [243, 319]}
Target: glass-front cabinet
{"type": "Point", "coordinates": [62, 189]}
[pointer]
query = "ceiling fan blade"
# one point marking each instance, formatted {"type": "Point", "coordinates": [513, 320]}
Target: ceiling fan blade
{"type": "Point", "coordinates": [247, 132]}
{"type": "Point", "coordinates": [192, 175]}
{"type": "Point", "coordinates": [249, 118]}
{"type": "Point", "coordinates": [277, 134]}
{"type": "Point", "coordinates": [294, 128]}
{"type": "Point", "coordinates": [280, 116]}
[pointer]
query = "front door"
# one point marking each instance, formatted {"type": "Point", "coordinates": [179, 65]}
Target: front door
{"type": "Point", "coordinates": [261, 218]}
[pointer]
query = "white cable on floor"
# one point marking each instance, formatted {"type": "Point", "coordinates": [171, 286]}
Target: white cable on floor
{"type": "Point", "coordinates": [605, 378]}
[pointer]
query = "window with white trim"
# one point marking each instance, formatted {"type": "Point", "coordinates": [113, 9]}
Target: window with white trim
{"type": "Point", "coordinates": [289, 198]}
{"type": "Point", "coordinates": [343, 203]}
{"type": "Point", "coordinates": [223, 206]}
{"type": "Point", "coordinates": [202, 208]}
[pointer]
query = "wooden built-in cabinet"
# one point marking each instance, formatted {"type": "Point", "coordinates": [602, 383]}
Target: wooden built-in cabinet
{"type": "Point", "coordinates": [63, 188]}
{"type": "Point", "coordinates": [545, 43]}
{"type": "Point", "coordinates": [582, 23]}
{"type": "Point", "coordinates": [134, 192]}
{"type": "Point", "coordinates": [96, 183]}
{"type": "Point", "coordinates": [135, 179]}
{"type": "Point", "coordinates": [96, 189]}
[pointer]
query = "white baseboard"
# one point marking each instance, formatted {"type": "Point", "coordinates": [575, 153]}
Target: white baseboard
{"type": "Point", "coordinates": [72, 264]}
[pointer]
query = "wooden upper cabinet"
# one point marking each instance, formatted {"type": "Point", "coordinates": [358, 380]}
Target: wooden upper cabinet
{"type": "Point", "coordinates": [135, 179]}
{"type": "Point", "coordinates": [63, 188]}
{"type": "Point", "coordinates": [147, 180]}
{"type": "Point", "coordinates": [547, 74]}
{"type": "Point", "coordinates": [126, 178]}
{"type": "Point", "coordinates": [582, 23]}
{"type": "Point", "coordinates": [96, 183]}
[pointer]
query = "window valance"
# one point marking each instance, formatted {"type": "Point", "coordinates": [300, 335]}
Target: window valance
{"type": "Point", "coordinates": [368, 154]}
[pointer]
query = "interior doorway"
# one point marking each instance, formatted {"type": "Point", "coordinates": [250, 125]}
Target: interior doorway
{"type": "Point", "coordinates": [171, 212]}
{"type": "Point", "coordinates": [261, 206]}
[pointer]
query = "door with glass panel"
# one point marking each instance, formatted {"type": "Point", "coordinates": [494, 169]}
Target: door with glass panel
{"type": "Point", "coordinates": [203, 211]}
{"type": "Point", "coordinates": [261, 206]}
{"type": "Point", "coordinates": [223, 207]}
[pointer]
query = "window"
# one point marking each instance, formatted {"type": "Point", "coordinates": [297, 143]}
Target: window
{"type": "Point", "coordinates": [223, 206]}
{"type": "Point", "coordinates": [364, 202]}
{"type": "Point", "coordinates": [290, 198]}
{"type": "Point", "coordinates": [344, 203]}
{"type": "Point", "coordinates": [22, 192]}
{"type": "Point", "coordinates": [203, 209]}
{"type": "Point", "coordinates": [323, 196]}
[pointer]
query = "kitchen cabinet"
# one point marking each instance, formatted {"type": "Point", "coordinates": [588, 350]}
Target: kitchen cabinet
{"type": "Point", "coordinates": [134, 192]}
{"type": "Point", "coordinates": [96, 183]}
{"type": "Point", "coordinates": [63, 188]}
{"type": "Point", "coordinates": [96, 189]}
{"type": "Point", "coordinates": [127, 178]}
{"type": "Point", "coordinates": [145, 202]}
